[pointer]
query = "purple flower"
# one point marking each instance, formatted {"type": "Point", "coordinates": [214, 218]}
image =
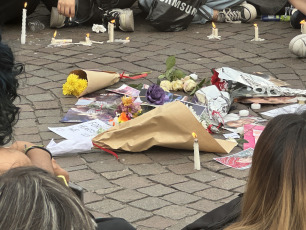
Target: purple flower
{"type": "Point", "coordinates": [155, 95]}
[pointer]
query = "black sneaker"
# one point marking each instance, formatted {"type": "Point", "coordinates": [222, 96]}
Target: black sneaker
{"type": "Point", "coordinates": [296, 18]}
{"type": "Point", "coordinates": [124, 19]}
{"type": "Point", "coordinates": [243, 13]}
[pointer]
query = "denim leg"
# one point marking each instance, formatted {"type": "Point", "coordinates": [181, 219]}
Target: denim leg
{"type": "Point", "coordinates": [205, 12]}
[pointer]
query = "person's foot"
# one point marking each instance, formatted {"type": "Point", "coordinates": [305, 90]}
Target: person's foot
{"type": "Point", "coordinates": [243, 13]}
{"type": "Point", "coordinates": [298, 45]}
{"type": "Point", "coordinates": [295, 19]}
{"type": "Point", "coordinates": [124, 18]}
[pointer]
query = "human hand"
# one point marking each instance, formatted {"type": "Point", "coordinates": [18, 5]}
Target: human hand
{"type": "Point", "coordinates": [66, 7]}
{"type": "Point", "coordinates": [21, 145]}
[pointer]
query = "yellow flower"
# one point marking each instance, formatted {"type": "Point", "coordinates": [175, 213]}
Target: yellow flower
{"type": "Point", "coordinates": [126, 101]}
{"type": "Point", "coordinates": [74, 85]}
{"type": "Point", "coordinates": [165, 85]}
{"type": "Point", "coordinates": [177, 85]}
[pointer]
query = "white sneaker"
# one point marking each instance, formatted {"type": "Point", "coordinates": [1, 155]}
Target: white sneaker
{"type": "Point", "coordinates": [298, 45]}
{"type": "Point", "coordinates": [124, 17]}
{"type": "Point", "coordinates": [243, 13]}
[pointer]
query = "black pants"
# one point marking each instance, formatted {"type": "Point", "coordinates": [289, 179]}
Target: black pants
{"type": "Point", "coordinates": [113, 224]}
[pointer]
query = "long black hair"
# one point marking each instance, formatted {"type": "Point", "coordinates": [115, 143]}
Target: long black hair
{"type": "Point", "coordinates": [8, 92]}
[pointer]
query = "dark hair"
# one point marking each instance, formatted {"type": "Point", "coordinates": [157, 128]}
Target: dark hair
{"type": "Point", "coordinates": [275, 194]}
{"type": "Point", "coordinates": [32, 198]}
{"type": "Point", "coordinates": [8, 93]}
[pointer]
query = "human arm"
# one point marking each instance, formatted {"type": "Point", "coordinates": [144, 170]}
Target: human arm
{"type": "Point", "coordinates": [66, 7]}
{"type": "Point", "coordinates": [300, 5]}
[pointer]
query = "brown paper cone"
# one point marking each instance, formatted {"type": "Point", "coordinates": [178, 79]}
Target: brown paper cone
{"type": "Point", "coordinates": [170, 125]}
{"type": "Point", "coordinates": [96, 79]}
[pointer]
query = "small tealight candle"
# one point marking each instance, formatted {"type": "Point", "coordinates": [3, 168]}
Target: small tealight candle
{"type": "Point", "coordinates": [59, 41]}
{"type": "Point", "coordinates": [196, 153]}
{"type": "Point", "coordinates": [303, 26]}
{"type": "Point", "coordinates": [23, 24]}
{"type": "Point", "coordinates": [87, 39]}
{"type": "Point", "coordinates": [255, 106]}
{"type": "Point", "coordinates": [244, 113]}
{"type": "Point", "coordinates": [256, 32]}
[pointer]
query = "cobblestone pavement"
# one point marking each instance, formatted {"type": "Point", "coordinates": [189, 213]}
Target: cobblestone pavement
{"type": "Point", "coordinates": [155, 189]}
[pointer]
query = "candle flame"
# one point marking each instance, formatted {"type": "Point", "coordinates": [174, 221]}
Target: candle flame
{"type": "Point", "coordinates": [255, 24]}
{"type": "Point", "coordinates": [55, 32]}
{"type": "Point", "coordinates": [213, 25]}
{"type": "Point", "coordinates": [112, 21]}
{"type": "Point", "coordinates": [87, 35]}
{"type": "Point", "coordinates": [194, 135]}
{"type": "Point", "coordinates": [302, 22]}
{"type": "Point", "coordinates": [25, 5]}
{"type": "Point", "coordinates": [127, 38]}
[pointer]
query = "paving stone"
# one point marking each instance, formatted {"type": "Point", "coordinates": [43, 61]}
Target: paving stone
{"type": "Point", "coordinates": [105, 206]}
{"type": "Point", "coordinates": [105, 191]}
{"type": "Point", "coordinates": [175, 212]}
{"type": "Point", "coordinates": [95, 184]}
{"type": "Point", "coordinates": [204, 205]}
{"type": "Point", "coordinates": [107, 166]}
{"type": "Point", "coordinates": [118, 174]}
{"type": "Point", "coordinates": [190, 186]}
{"type": "Point", "coordinates": [90, 197]}
{"type": "Point", "coordinates": [213, 194]}
{"type": "Point", "coordinates": [69, 161]}
{"type": "Point", "coordinates": [135, 159]}
{"type": "Point", "coordinates": [156, 190]}
{"type": "Point", "coordinates": [168, 178]}
{"type": "Point", "coordinates": [227, 183]}
{"type": "Point", "coordinates": [82, 175]}
{"type": "Point", "coordinates": [204, 176]}
{"type": "Point", "coordinates": [126, 195]}
{"type": "Point", "coordinates": [181, 198]}
{"type": "Point", "coordinates": [148, 169]}
{"type": "Point", "coordinates": [182, 169]}
{"type": "Point", "coordinates": [131, 214]}
{"type": "Point", "coordinates": [150, 203]}
{"type": "Point", "coordinates": [132, 182]}
{"type": "Point", "coordinates": [97, 156]}
{"type": "Point", "coordinates": [44, 105]}
{"type": "Point", "coordinates": [156, 222]}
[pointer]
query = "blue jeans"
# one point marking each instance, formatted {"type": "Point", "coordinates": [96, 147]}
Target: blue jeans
{"type": "Point", "coordinates": [206, 11]}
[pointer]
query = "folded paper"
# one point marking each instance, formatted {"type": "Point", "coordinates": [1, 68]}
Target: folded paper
{"type": "Point", "coordinates": [170, 125]}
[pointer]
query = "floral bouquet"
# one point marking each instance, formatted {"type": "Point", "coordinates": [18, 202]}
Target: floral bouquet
{"type": "Point", "coordinates": [170, 125]}
{"type": "Point", "coordinates": [81, 82]}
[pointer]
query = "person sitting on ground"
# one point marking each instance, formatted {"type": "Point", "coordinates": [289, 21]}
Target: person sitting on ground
{"type": "Point", "coordinates": [274, 197]}
{"type": "Point", "coordinates": [47, 204]}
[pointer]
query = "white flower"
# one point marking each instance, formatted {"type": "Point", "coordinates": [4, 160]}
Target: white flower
{"type": "Point", "coordinates": [194, 76]}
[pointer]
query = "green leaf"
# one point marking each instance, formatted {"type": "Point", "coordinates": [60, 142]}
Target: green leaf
{"type": "Point", "coordinates": [136, 86]}
{"type": "Point", "coordinates": [242, 141]}
{"type": "Point", "coordinates": [161, 76]}
{"type": "Point", "coordinates": [170, 62]}
{"type": "Point", "coordinates": [168, 74]}
{"type": "Point", "coordinates": [158, 81]}
{"type": "Point", "coordinates": [178, 74]}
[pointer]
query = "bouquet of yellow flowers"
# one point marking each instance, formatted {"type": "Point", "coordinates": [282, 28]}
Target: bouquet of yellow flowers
{"type": "Point", "coordinates": [74, 85]}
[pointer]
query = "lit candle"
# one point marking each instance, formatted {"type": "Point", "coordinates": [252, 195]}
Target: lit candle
{"type": "Point", "coordinates": [59, 41]}
{"type": "Point", "coordinates": [111, 31]}
{"type": "Point", "coordinates": [256, 32]}
{"type": "Point", "coordinates": [303, 27]}
{"type": "Point", "coordinates": [196, 153]}
{"type": "Point", "coordinates": [23, 25]}
{"type": "Point", "coordinates": [87, 39]}
{"type": "Point", "coordinates": [214, 30]}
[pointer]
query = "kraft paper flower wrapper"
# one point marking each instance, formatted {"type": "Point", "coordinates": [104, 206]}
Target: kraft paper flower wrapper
{"type": "Point", "coordinates": [170, 125]}
{"type": "Point", "coordinates": [96, 79]}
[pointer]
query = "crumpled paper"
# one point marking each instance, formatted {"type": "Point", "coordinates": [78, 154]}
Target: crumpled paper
{"type": "Point", "coordinates": [218, 102]}
{"type": "Point", "coordinates": [98, 28]}
{"type": "Point", "coordinates": [69, 146]}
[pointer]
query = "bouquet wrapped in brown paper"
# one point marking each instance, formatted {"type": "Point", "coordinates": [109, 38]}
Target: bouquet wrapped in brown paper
{"type": "Point", "coordinates": [81, 82]}
{"type": "Point", "coordinates": [170, 125]}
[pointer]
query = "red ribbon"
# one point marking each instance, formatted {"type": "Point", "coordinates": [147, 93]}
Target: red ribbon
{"type": "Point", "coordinates": [107, 150]}
{"type": "Point", "coordinates": [134, 77]}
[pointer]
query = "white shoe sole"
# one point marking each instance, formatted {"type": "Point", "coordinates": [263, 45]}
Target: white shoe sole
{"type": "Point", "coordinates": [298, 45]}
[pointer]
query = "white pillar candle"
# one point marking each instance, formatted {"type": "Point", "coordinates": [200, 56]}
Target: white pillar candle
{"type": "Point", "coordinates": [87, 39]}
{"type": "Point", "coordinates": [23, 24]}
{"type": "Point", "coordinates": [256, 32]}
{"type": "Point", "coordinates": [244, 113]}
{"type": "Point", "coordinates": [214, 30]}
{"type": "Point", "coordinates": [110, 32]}
{"type": "Point", "coordinates": [196, 153]}
{"type": "Point", "coordinates": [255, 106]}
{"type": "Point", "coordinates": [303, 27]}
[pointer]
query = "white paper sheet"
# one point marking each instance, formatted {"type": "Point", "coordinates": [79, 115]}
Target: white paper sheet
{"type": "Point", "coordinates": [87, 129]}
{"type": "Point", "coordinates": [69, 146]}
{"type": "Point", "coordinates": [285, 110]}
{"type": "Point", "coordinates": [231, 135]}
